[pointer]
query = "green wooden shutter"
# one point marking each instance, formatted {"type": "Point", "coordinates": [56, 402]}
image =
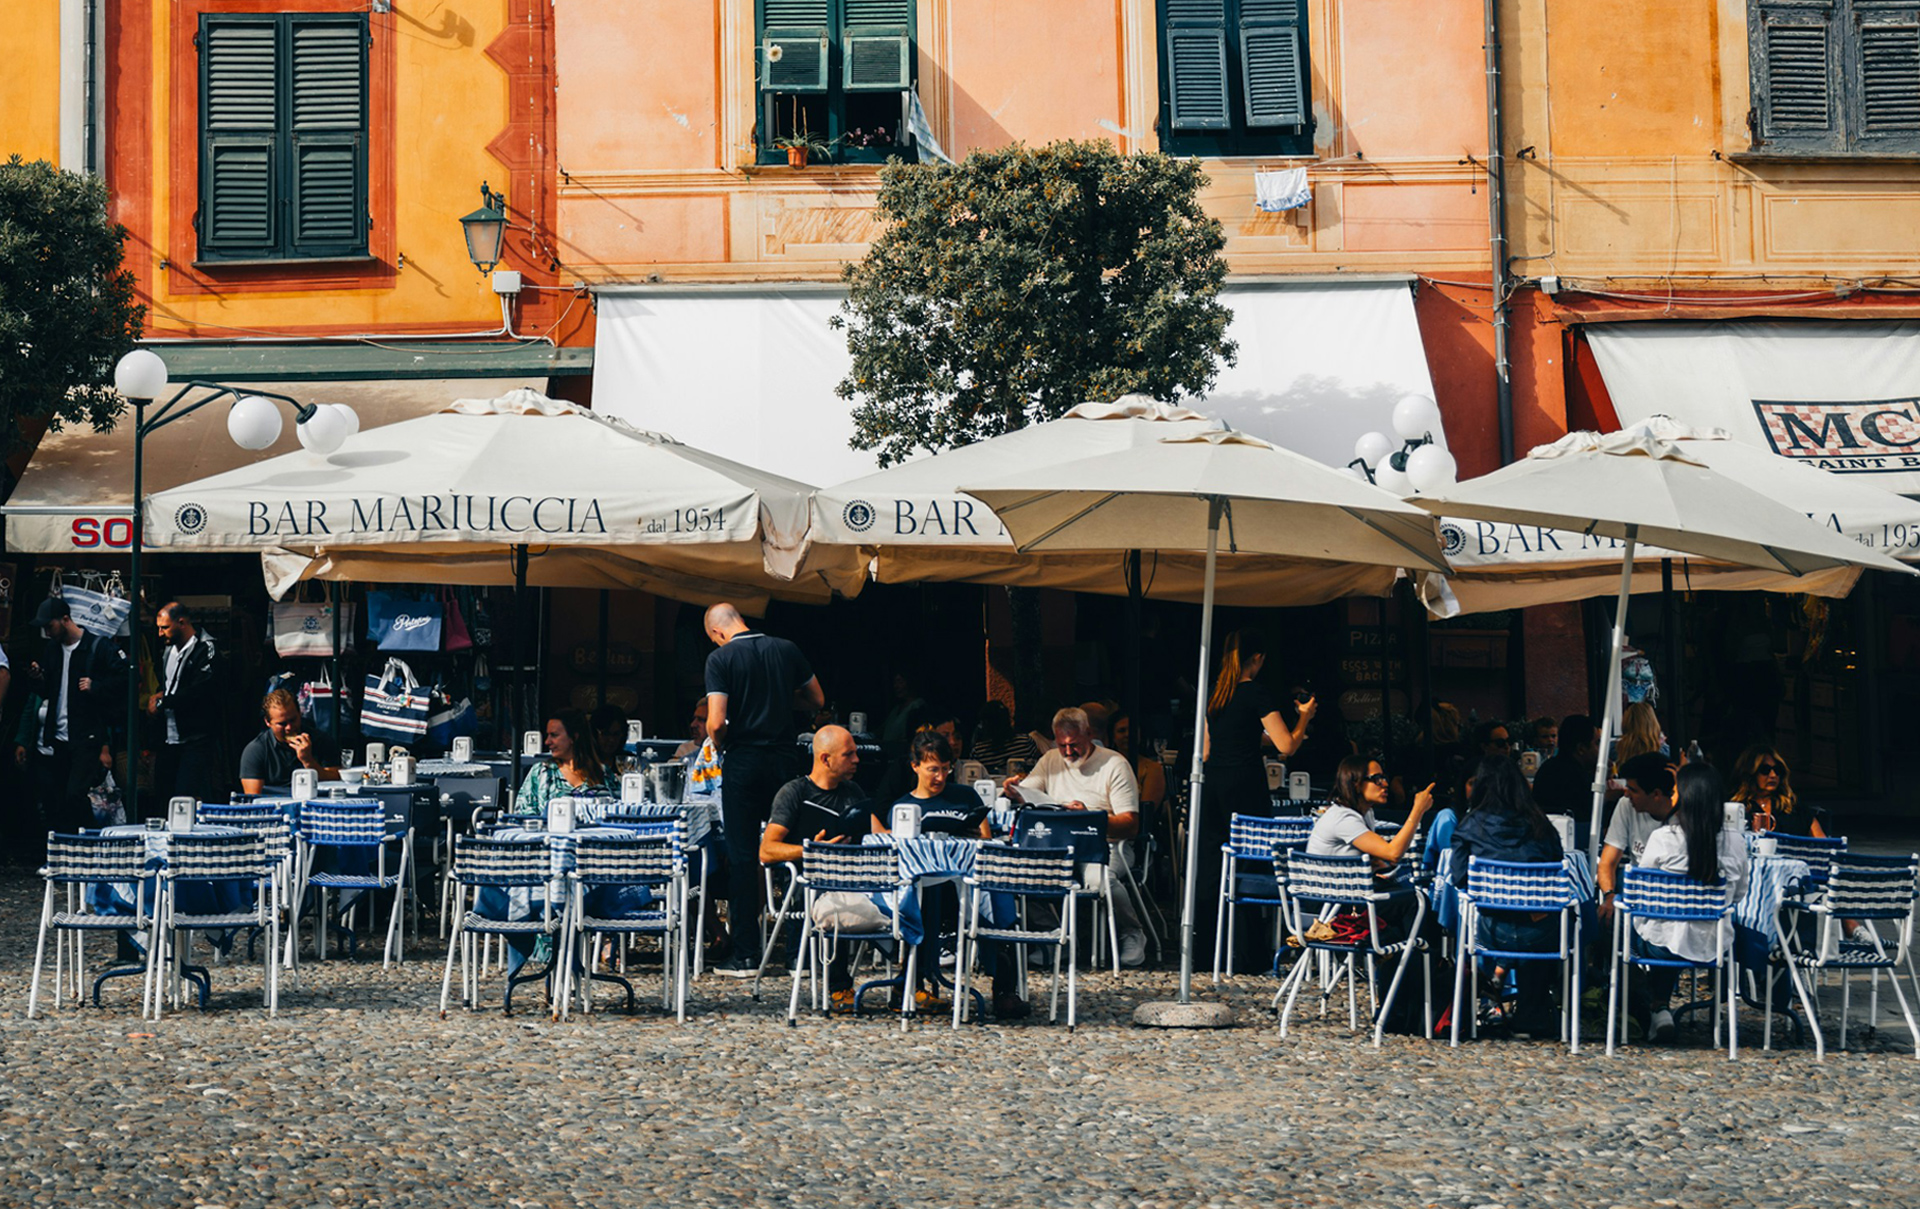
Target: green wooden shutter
{"type": "Point", "coordinates": [1196, 50]}
{"type": "Point", "coordinates": [239, 141]}
{"type": "Point", "coordinates": [1271, 68]}
{"type": "Point", "coordinates": [793, 45]}
{"type": "Point", "coordinates": [1795, 57]}
{"type": "Point", "coordinates": [876, 46]}
{"type": "Point", "coordinates": [327, 136]}
{"type": "Point", "coordinates": [1889, 79]}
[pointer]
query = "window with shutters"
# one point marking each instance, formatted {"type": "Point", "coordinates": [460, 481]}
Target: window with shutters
{"type": "Point", "coordinates": [1835, 76]}
{"type": "Point", "coordinates": [839, 71]}
{"type": "Point", "coordinates": [1234, 78]}
{"type": "Point", "coordinates": [283, 137]}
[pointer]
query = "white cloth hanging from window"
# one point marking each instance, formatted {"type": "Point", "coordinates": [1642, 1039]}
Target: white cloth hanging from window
{"type": "Point", "coordinates": [1286, 189]}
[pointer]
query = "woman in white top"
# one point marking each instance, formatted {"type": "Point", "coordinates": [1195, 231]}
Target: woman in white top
{"type": "Point", "coordinates": [1347, 828]}
{"type": "Point", "coordinates": [1696, 842]}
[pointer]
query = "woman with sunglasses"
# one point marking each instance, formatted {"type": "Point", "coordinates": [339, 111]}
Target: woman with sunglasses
{"type": "Point", "coordinates": [1347, 827]}
{"type": "Point", "coordinates": [1766, 790]}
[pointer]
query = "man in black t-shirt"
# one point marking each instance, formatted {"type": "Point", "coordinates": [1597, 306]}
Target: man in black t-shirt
{"type": "Point", "coordinates": [828, 806]}
{"type": "Point", "coordinates": [754, 684]}
{"type": "Point", "coordinates": [286, 744]}
{"type": "Point", "coordinates": [1564, 784]}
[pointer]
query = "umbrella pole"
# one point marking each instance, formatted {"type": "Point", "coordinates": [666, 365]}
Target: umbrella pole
{"type": "Point", "coordinates": [1197, 779]}
{"type": "Point", "coordinates": [1610, 708]}
{"type": "Point", "coordinates": [519, 556]}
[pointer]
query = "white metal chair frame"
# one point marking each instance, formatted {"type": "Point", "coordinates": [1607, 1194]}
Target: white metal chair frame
{"type": "Point", "coordinates": [326, 824]}
{"type": "Point", "coordinates": [1256, 840]}
{"type": "Point", "coordinates": [1658, 894]}
{"type": "Point", "coordinates": [1541, 886]}
{"type": "Point", "coordinates": [193, 857]}
{"type": "Point", "coordinates": [1335, 882]}
{"type": "Point", "coordinates": [1874, 890]}
{"type": "Point", "coordinates": [844, 868]}
{"type": "Point", "coordinates": [1037, 874]}
{"type": "Point", "coordinates": [75, 861]}
{"type": "Point", "coordinates": [482, 863]}
{"type": "Point", "coordinates": [657, 861]}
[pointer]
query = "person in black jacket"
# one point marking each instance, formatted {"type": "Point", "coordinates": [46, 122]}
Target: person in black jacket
{"type": "Point", "coordinates": [1503, 823]}
{"type": "Point", "coordinates": [188, 706]}
{"type": "Point", "coordinates": [84, 680]}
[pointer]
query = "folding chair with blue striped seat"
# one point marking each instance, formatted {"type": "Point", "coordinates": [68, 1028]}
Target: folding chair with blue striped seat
{"type": "Point", "coordinates": [1816, 850]}
{"type": "Point", "coordinates": [1877, 891]}
{"type": "Point", "coordinates": [222, 867]}
{"type": "Point", "coordinates": [1531, 887]}
{"type": "Point", "coordinates": [1085, 831]}
{"type": "Point", "coordinates": [1317, 888]}
{"type": "Point", "coordinates": [1017, 875]}
{"type": "Point", "coordinates": [75, 862]}
{"type": "Point", "coordinates": [353, 828]}
{"type": "Point", "coordinates": [480, 863]}
{"type": "Point", "coordinates": [272, 827]}
{"type": "Point", "coordinates": [1248, 871]}
{"type": "Point", "coordinates": [867, 870]}
{"type": "Point", "coordinates": [1660, 895]}
{"type": "Point", "coordinates": [607, 871]}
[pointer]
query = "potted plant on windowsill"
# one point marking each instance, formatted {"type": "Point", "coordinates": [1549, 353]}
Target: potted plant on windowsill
{"type": "Point", "coordinates": [799, 147]}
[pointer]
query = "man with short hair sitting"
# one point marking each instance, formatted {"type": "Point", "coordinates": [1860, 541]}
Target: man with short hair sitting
{"type": "Point", "coordinates": [1081, 775]}
{"type": "Point", "coordinates": [286, 744]}
{"type": "Point", "coordinates": [826, 806]}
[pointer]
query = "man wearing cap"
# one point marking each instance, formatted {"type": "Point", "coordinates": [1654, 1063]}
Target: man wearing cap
{"type": "Point", "coordinates": [84, 679]}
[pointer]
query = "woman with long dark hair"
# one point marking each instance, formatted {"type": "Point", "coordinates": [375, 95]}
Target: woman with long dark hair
{"type": "Point", "coordinates": [1240, 713]}
{"type": "Point", "coordinates": [1504, 823]}
{"type": "Point", "coordinates": [1765, 788]}
{"type": "Point", "coordinates": [576, 764]}
{"type": "Point", "coordinates": [1696, 842]}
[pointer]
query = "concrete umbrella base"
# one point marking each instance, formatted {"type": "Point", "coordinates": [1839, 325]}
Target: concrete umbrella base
{"type": "Point", "coordinates": [1196, 1014]}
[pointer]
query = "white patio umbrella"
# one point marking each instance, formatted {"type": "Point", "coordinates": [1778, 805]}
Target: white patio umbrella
{"type": "Point", "coordinates": [1501, 565]}
{"type": "Point", "coordinates": [1175, 494]}
{"type": "Point", "coordinates": [915, 523]}
{"type": "Point", "coordinates": [1635, 486]}
{"type": "Point", "coordinates": [448, 497]}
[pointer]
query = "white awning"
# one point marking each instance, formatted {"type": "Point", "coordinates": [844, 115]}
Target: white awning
{"type": "Point", "coordinates": [749, 373]}
{"type": "Point", "coordinates": [1838, 396]}
{"type": "Point", "coordinates": [77, 493]}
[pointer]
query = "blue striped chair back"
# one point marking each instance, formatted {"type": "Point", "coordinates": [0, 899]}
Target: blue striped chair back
{"type": "Point", "coordinates": [269, 824]}
{"type": "Point", "coordinates": [859, 868]}
{"type": "Point", "coordinates": [1006, 869]}
{"type": "Point", "coordinates": [627, 861]}
{"type": "Point", "coordinates": [1871, 887]}
{"type": "Point", "coordinates": [95, 858]}
{"type": "Point", "coordinates": [347, 826]}
{"type": "Point", "coordinates": [1816, 850]}
{"type": "Point", "coordinates": [197, 857]}
{"type": "Point", "coordinates": [1330, 879]}
{"type": "Point", "coordinates": [478, 861]}
{"type": "Point", "coordinates": [1519, 885]}
{"type": "Point", "coordinates": [1253, 838]}
{"type": "Point", "coordinates": [1661, 894]}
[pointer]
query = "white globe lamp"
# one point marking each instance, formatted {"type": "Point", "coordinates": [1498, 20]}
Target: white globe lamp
{"type": "Point", "coordinates": [324, 430]}
{"type": "Point", "coordinates": [1373, 448]}
{"type": "Point", "coordinates": [1387, 478]}
{"type": "Point", "coordinates": [253, 422]}
{"type": "Point", "coordinates": [1431, 469]}
{"type": "Point", "coordinates": [352, 417]}
{"type": "Point", "coordinates": [1415, 416]}
{"type": "Point", "coordinates": [141, 374]}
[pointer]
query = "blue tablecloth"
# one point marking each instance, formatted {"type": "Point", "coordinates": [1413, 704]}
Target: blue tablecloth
{"type": "Point", "coordinates": [1770, 879]}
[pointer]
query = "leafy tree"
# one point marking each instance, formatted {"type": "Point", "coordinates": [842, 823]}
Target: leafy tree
{"type": "Point", "coordinates": [67, 306]}
{"type": "Point", "coordinates": [1012, 286]}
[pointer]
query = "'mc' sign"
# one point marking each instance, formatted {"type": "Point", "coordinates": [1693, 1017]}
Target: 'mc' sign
{"type": "Point", "coordinates": [1847, 438]}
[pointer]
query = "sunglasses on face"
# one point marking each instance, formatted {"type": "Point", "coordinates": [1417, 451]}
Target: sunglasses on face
{"type": "Point", "coordinates": [1763, 770]}
{"type": "Point", "coordinates": [1378, 778]}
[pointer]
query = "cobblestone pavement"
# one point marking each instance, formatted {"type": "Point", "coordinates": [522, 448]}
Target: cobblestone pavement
{"type": "Point", "coordinates": [360, 1094]}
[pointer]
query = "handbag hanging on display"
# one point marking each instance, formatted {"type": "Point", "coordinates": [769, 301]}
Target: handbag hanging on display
{"type": "Point", "coordinates": [304, 629]}
{"type": "Point", "coordinates": [329, 709]}
{"type": "Point", "coordinates": [101, 607]}
{"type": "Point", "coordinates": [399, 621]}
{"type": "Point", "coordinates": [455, 631]}
{"type": "Point", "coordinates": [393, 706]}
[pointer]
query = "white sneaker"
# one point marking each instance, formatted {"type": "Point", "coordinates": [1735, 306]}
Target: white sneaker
{"type": "Point", "coordinates": [1662, 1029]}
{"type": "Point", "coordinates": [1133, 950]}
{"type": "Point", "coordinates": [1861, 934]}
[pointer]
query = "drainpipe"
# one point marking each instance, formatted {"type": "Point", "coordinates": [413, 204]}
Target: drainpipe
{"type": "Point", "coordinates": [91, 60]}
{"type": "Point", "coordinates": [1497, 234]}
